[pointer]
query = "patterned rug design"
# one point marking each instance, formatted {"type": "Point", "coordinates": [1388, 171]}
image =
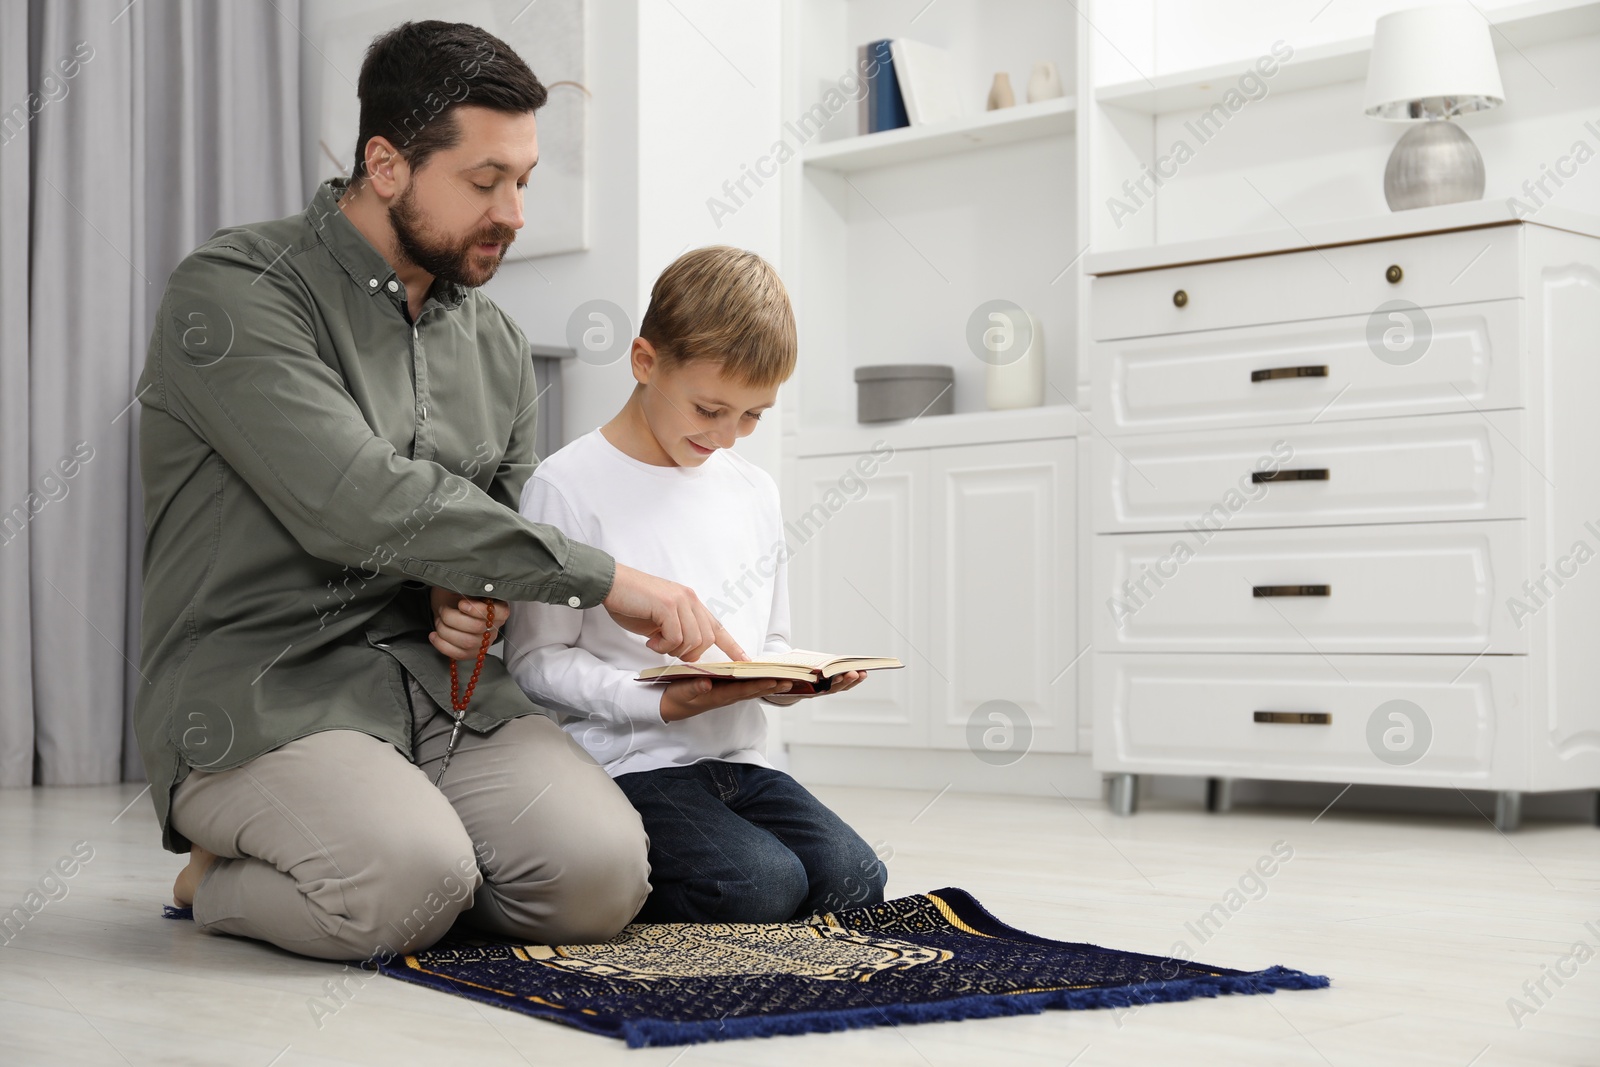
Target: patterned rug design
{"type": "Point", "coordinates": [922, 958]}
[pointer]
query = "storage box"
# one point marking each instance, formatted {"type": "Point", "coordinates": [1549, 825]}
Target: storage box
{"type": "Point", "coordinates": [904, 391]}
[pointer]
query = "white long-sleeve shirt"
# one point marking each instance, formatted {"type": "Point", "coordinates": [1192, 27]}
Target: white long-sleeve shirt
{"type": "Point", "coordinates": [716, 528]}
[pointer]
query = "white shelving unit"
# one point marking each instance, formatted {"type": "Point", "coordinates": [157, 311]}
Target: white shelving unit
{"type": "Point", "coordinates": [891, 240]}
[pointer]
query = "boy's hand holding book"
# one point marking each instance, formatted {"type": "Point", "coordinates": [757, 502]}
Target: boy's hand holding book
{"type": "Point", "coordinates": [836, 684]}
{"type": "Point", "coordinates": [690, 696]}
{"type": "Point", "coordinates": [780, 678]}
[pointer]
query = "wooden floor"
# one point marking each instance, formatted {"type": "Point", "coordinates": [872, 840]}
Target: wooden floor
{"type": "Point", "coordinates": [1428, 926]}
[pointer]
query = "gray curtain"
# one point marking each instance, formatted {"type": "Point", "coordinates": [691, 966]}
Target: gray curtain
{"type": "Point", "coordinates": [130, 132]}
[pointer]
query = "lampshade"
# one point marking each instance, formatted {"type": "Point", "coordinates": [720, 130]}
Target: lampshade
{"type": "Point", "coordinates": [1432, 63]}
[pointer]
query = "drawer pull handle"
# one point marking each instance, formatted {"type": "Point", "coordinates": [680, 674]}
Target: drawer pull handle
{"type": "Point", "coordinates": [1296, 718]}
{"type": "Point", "coordinates": [1315, 370]}
{"type": "Point", "coordinates": [1394, 274]}
{"type": "Point", "coordinates": [1304, 474]}
{"type": "Point", "coordinates": [1291, 590]}
{"type": "Point", "coordinates": [1180, 299]}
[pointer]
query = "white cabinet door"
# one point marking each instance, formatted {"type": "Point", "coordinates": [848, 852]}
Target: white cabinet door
{"type": "Point", "coordinates": [857, 585]}
{"type": "Point", "coordinates": [1001, 603]}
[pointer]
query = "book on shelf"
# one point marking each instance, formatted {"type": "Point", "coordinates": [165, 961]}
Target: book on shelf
{"type": "Point", "coordinates": [864, 104]}
{"type": "Point", "coordinates": [885, 109]}
{"type": "Point", "coordinates": [928, 84]}
{"type": "Point", "coordinates": [813, 671]}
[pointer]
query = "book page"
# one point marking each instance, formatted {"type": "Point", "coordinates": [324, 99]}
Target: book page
{"type": "Point", "coordinates": [798, 657]}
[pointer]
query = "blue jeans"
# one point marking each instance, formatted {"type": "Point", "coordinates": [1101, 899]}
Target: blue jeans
{"type": "Point", "coordinates": [736, 842]}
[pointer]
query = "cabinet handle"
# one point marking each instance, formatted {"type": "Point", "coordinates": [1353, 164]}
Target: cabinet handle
{"type": "Point", "coordinates": [1305, 474]}
{"type": "Point", "coordinates": [1394, 274]}
{"type": "Point", "coordinates": [1296, 718]}
{"type": "Point", "coordinates": [1315, 370]}
{"type": "Point", "coordinates": [1180, 299]}
{"type": "Point", "coordinates": [1291, 590]}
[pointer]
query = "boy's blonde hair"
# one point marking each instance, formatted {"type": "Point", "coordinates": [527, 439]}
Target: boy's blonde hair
{"type": "Point", "coordinates": [724, 304]}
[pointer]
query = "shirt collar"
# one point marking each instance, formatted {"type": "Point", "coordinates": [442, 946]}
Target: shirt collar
{"type": "Point", "coordinates": [364, 263]}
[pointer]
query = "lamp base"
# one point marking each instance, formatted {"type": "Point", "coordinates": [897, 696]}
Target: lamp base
{"type": "Point", "coordinates": [1434, 163]}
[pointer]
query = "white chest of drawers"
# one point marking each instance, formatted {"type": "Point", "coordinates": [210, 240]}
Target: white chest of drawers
{"type": "Point", "coordinates": [1346, 506]}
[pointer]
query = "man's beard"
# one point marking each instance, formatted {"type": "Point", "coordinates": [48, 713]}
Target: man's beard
{"type": "Point", "coordinates": [459, 262]}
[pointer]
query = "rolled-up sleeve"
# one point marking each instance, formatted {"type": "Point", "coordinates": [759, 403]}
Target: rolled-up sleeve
{"type": "Point", "coordinates": [239, 364]}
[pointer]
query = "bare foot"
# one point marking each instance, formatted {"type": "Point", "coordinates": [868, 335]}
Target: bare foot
{"type": "Point", "coordinates": [188, 879]}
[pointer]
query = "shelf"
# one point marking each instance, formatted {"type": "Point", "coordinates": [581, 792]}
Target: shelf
{"type": "Point", "coordinates": [963, 428]}
{"type": "Point", "coordinates": [1522, 26]}
{"type": "Point", "coordinates": [1468, 215]}
{"type": "Point", "coordinates": [1023, 122]}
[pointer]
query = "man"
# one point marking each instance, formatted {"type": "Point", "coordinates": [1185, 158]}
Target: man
{"type": "Point", "coordinates": [337, 428]}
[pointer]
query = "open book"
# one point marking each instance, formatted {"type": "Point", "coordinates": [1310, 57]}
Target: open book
{"type": "Point", "coordinates": [813, 669]}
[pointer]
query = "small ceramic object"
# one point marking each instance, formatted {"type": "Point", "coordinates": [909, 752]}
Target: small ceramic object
{"type": "Point", "coordinates": [1000, 94]}
{"type": "Point", "coordinates": [1018, 383]}
{"type": "Point", "coordinates": [1045, 82]}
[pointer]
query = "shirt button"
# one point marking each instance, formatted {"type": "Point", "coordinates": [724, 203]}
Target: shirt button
{"type": "Point", "coordinates": [372, 284]}
{"type": "Point", "coordinates": [424, 411]}
{"type": "Point", "coordinates": [488, 587]}
{"type": "Point", "coordinates": [394, 287]}
{"type": "Point", "coordinates": [573, 602]}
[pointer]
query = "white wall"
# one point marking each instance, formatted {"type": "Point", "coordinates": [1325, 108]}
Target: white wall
{"type": "Point", "coordinates": [709, 89]}
{"type": "Point", "coordinates": [1154, 37]}
{"type": "Point", "coordinates": [542, 293]}
{"type": "Point", "coordinates": [1198, 33]}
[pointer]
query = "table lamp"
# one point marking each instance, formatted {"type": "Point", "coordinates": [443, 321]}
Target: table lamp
{"type": "Point", "coordinates": [1432, 63]}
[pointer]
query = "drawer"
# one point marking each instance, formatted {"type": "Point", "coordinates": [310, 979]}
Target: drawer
{"type": "Point", "coordinates": [1324, 370]}
{"type": "Point", "coordinates": [1413, 719]}
{"type": "Point", "coordinates": [1419, 469]}
{"type": "Point", "coordinates": [1421, 587]}
{"type": "Point", "coordinates": [1441, 268]}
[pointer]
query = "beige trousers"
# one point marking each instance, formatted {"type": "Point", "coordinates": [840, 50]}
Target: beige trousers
{"type": "Point", "coordinates": [337, 846]}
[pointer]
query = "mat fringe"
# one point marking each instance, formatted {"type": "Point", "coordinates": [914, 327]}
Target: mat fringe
{"type": "Point", "coordinates": [641, 1033]}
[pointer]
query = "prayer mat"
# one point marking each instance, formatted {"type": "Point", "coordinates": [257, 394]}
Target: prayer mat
{"type": "Point", "coordinates": [922, 958]}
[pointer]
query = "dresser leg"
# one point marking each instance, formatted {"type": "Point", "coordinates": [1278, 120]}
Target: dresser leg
{"type": "Point", "coordinates": [1507, 810]}
{"type": "Point", "coordinates": [1219, 795]}
{"type": "Point", "coordinates": [1124, 794]}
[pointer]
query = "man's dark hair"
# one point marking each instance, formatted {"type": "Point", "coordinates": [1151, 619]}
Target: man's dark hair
{"type": "Point", "coordinates": [417, 74]}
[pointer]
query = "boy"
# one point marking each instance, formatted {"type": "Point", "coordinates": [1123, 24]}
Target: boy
{"type": "Point", "coordinates": [731, 838]}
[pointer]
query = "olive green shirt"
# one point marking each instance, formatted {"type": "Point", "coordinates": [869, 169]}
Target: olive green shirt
{"type": "Point", "coordinates": [312, 462]}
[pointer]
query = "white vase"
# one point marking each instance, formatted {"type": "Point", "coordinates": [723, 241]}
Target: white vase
{"type": "Point", "coordinates": [1019, 383]}
{"type": "Point", "coordinates": [1045, 82]}
{"type": "Point", "coordinates": [1000, 94]}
